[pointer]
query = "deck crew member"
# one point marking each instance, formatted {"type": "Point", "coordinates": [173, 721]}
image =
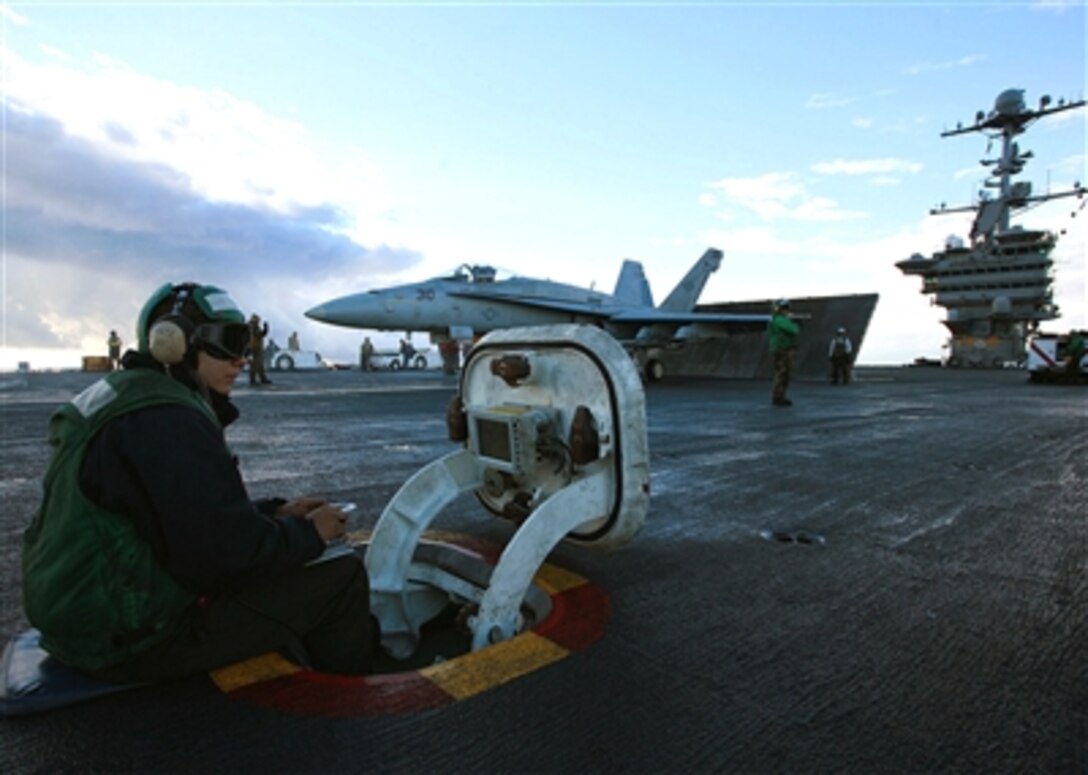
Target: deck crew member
{"type": "Point", "coordinates": [840, 353]}
{"type": "Point", "coordinates": [114, 344]}
{"type": "Point", "coordinates": [257, 333]}
{"type": "Point", "coordinates": [783, 334]}
{"type": "Point", "coordinates": [1074, 353]}
{"type": "Point", "coordinates": [147, 560]}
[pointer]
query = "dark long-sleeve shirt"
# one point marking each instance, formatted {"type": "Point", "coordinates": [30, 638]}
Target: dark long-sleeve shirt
{"type": "Point", "coordinates": [169, 470]}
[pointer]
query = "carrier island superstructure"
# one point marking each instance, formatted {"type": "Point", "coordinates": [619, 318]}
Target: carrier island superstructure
{"type": "Point", "coordinates": [997, 286]}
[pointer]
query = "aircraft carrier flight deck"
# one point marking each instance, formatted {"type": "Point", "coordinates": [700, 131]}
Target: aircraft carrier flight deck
{"type": "Point", "coordinates": [890, 576]}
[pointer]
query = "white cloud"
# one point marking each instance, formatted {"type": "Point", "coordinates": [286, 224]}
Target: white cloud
{"type": "Point", "coordinates": [11, 16]}
{"type": "Point", "coordinates": [866, 167]}
{"type": "Point", "coordinates": [770, 187]}
{"type": "Point", "coordinates": [778, 196]}
{"type": "Point", "coordinates": [969, 172]}
{"type": "Point", "coordinates": [825, 100]}
{"type": "Point", "coordinates": [230, 149]}
{"type": "Point", "coordinates": [1061, 6]}
{"type": "Point", "coordinates": [117, 182]}
{"type": "Point", "coordinates": [928, 67]}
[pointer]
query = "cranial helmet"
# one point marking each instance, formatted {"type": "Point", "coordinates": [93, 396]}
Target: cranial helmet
{"type": "Point", "coordinates": [179, 319]}
{"type": "Point", "coordinates": [782, 304]}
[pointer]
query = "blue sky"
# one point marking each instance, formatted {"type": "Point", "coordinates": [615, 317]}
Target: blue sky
{"type": "Point", "coordinates": [293, 153]}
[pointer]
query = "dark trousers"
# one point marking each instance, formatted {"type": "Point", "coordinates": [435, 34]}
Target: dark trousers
{"type": "Point", "coordinates": [318, 615]}
{"type": "Point", "coordinates": [1072, 369]}
{"type": "Point", "coordinates": [256, 367]}
{"type": "Point", "coordinates": [840, 369]}
{"type": "Point", "coordinates": [783, 363]}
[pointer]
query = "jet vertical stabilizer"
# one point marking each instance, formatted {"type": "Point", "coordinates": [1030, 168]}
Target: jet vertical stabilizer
{"type": "Point", "coordinates": [632, 289]}
{"type": "Point", "coordinates": [686, 294]}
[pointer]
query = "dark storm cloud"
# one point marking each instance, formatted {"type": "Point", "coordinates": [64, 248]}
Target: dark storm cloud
{"type": "Point", "coordinates": [70, 203]}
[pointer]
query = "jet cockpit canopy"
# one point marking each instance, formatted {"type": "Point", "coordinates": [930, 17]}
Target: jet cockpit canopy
{"type": "Point", "coordinates": [474, 273]}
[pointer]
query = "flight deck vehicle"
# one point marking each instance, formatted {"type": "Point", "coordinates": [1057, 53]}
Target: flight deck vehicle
{"type": "Point", "coordinates": [1047, 358]}
{"type": "Point", "coordinates": [393, 360]}
{"type": "Point", "coordinates": [296, 360]}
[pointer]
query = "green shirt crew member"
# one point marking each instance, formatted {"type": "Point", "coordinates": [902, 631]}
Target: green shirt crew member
{"type": "Point", "coordinates": [783, 335]}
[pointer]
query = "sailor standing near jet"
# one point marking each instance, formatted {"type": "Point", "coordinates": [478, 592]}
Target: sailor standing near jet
{"type": "Point", "coordinates": [406, 352]}
{"type": "Point", "coordinates": [783, 334]}
{"type": "Point", "coordinates": [840, 352]}
{"type": "Point", "coordinates": [114, 344]}
{"type": "Point", "coordinates": [257, 333]}
{"type": "Point", "coordinates": [366, 352]}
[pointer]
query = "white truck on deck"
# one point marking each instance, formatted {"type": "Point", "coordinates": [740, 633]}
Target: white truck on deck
{"type": "Point", "coordinates": [1047, 357]}
{"type": "Point", "coordinates": [295, 360]}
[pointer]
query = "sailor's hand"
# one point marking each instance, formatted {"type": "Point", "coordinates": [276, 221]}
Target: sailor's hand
{"type": "Point", "coordinates": [331, 522]}
{"type": "Point", "coordinates": [299, 507]}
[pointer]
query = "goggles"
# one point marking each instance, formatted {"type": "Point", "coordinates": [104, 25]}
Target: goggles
{"type": "Point", "coordinates": [223, 341]}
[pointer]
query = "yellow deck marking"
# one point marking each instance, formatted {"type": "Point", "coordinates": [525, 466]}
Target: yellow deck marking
{"type": "Point", "coordinates": [553, 579]}
{"type": "Point", "coordinates": [481, 670]}
{"type": "Point", "coordinates": [251, 671]}
{"type": "Point", "coordinates": [461, 677]}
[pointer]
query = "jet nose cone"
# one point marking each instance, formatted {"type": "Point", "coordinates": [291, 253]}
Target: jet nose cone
{"type": "Point", "coordinates": [339, 312]}
{"type": "Point", "coordinates": [357, 311]}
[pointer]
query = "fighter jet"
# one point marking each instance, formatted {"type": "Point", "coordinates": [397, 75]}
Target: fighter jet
{"type": "Point", "coordinates": [472, 301]}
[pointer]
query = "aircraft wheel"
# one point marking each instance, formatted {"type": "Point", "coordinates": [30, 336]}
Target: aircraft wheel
{"type": "Point", "coordinates": [394, 365]}
{"type": "Point", "coordinates": [655, 370]}
{"type": "Point", "coordinates": [285, 363]}
{"type": "Point", "coordinates": [419, 363]}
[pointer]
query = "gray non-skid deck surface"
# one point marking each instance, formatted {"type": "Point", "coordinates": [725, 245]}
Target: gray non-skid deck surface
{"type": "Point", "coordinates": [891, 576]}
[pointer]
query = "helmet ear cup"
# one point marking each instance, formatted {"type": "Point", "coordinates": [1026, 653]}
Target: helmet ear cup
{"type": "Point", "coordinates": [168, 339]}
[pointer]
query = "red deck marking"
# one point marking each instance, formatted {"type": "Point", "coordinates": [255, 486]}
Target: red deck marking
{"type": "Point", "coordinates": [579, 611]}
{"type": "Point", "coordinates": [309, 693]}
{"type": "Point", "coordinates": [577, 617]}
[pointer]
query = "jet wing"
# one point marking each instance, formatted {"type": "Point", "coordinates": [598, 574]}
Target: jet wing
{"type": "Point", "coordinates": [645, 327]}
{"type": "Point", "coordinates": [708, 323]}
{"type": "Point", "coordinates": [649, 317]}
{"type": "Point", "coordinates": [662, 325]}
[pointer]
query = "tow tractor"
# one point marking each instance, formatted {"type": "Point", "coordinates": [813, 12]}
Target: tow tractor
{"type": "Point", "coordinates": [553, 423]}
{"type": "Point", "coordinates": [295, 360]}
{"type": "Point", "coordinates": [393, 360]}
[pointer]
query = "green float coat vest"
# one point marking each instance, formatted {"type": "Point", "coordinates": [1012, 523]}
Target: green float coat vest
{"type": "Point", "coordinates": [783, 333]}
{"type": "Point", "coordinates": [90, 583]}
